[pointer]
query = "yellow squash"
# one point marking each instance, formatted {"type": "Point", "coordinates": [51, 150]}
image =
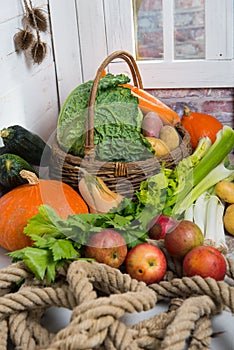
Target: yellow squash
{"type": "Point", "coordinates": [97, 195]}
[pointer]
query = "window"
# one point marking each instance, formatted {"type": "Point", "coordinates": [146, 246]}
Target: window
{"type": "Point", "coordinates": [188, 33]}
{"type": "Point", "coordinates": [193, 44]}
{"type": "Point", "coordinates": [203, 58]}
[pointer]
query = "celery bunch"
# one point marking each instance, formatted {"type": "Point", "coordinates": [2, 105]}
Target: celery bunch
{"type": "Point", "coordinates": [209, 170]}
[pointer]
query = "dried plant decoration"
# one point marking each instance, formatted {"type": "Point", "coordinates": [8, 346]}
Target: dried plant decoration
{"type": "Point", "coordinates": [40, 19]}
{"type": "Point", "coordinates": [38, 51]}
{"type": "Point", "coordinates": [23, 39]}
{"type": "Point", "coordinates": [34, 20]}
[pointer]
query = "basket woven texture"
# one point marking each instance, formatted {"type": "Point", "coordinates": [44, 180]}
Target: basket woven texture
{"type": "Point", "coordinates": [99, 296]}
{"type": "Point", "coordinates": [65, 166]}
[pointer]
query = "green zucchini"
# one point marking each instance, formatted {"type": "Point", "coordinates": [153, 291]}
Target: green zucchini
{"type": "Point", "coordinates": [4, 150]}
{"type": "Point", "coordinates": [10, 167]}
{"type": "Point", "coordinates": [3, 190]}
{"type": "Point", "coordinates": [26, 144]}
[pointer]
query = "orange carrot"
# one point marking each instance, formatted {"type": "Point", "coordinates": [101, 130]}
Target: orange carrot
{"type": "Point", "coordinates": [103, 73]}
{"type": "Point", "coordinates": [149, 103]}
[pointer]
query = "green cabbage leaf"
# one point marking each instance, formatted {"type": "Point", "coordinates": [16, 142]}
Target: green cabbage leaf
{"type": "Point", "coordinates": [117, 122]}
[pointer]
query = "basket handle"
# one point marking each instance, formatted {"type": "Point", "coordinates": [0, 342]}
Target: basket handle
{"type": "Point", "coordinates": [129, 59]}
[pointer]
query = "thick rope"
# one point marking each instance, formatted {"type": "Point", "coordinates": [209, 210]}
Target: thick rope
{"type": "Point", "coordinates": [184, 322]}
{"type": "Point", "coordinates": [201, 336]}
{"type": "Point", "coordinates": [99, 296]}
{"type": "Point", "coordinates": [185, 287]}
{"type": "Point", "coordinates": [3, 334]}
{"type": "Point", "coordinates": [98, 315]}
{"type": "Point", "coordinates": [12, 275]}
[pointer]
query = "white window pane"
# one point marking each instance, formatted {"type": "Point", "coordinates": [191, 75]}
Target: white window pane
{"type": "Point", "coordinates": [189, 29]}
{"type": "Point", "coordinates": [148, 29]}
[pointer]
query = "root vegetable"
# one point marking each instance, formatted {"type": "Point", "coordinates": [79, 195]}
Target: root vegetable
{"type": "Point", "coordinates": [159, 146]}
{"type": "Point", "coordinates": [170, 136]}
{"type": "Point", "coordinates": [151, 124]}
{"type": "Point", "coordinates": [225, 191]}
{"type": "Point", "coordinates": [228, 219]}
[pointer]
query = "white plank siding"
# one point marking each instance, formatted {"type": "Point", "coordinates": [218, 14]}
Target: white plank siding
{"type": "Point", "coordinates": [65, 35]}
{"type": "Point", "coordinates": [28, 92]}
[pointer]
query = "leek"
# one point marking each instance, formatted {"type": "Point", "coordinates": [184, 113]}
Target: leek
{"type": "Point", "coordinates": [207, 172]}
{"type": "Point", "coordinates": [208, 211]}
{"type": "Point", "coordinates": [188, 215]}
{"type": "Point", "coordinates": [214, 230]}
{"type": "Point", "coordinates": [199, 211]}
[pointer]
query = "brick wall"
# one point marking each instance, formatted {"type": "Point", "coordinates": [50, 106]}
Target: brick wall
{"type": "Point", "coordinates": [189, 43]}
{"type": "Point", "coordinates": [217, 102]}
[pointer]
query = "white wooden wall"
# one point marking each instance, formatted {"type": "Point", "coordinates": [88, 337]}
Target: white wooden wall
{"type": "Point", "coordinates": [28, 92]}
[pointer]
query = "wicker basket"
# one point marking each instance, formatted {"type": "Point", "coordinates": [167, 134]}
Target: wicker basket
{"type": "Point", "coordinates": [123, 177]}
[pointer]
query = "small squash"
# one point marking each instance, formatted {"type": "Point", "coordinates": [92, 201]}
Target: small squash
{"type": "Point", "coordinates": [3, 190]}
{"type": "Point", "coordinates": [10, 167]}
{"type": "Point", "coordinates": [21, 203]}
{"type": "Point", "coordinates": [97, 195]}
{"type": "Point", "coordinates": [199, 125]}
{"type": "Point", "coordinates": [26, 144]}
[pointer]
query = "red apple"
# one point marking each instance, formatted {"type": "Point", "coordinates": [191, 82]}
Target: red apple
{"type": "Point", "coordinates": [107, 246]}
{"type": "Point", "coordinates": [205, 261]}
{"type": "Point", "coordinates": [160, 225]}
{"type": "Point", "coordinates": [146, 262]}
{"type": "Point", "coordinates": [183, 238]}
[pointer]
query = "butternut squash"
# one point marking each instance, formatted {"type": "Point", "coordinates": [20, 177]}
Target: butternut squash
{"type": "Point", "coordinates": [97, 195]}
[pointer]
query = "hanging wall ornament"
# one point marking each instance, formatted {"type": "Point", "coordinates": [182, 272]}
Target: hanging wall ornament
{"type": "Point", "coordinates": [39, 48]}
{"type": "Point", "coordinates": [35, 17]}
{"type": "Point", "coordinates": [25, 40]}
{"type": "Point", "coordinates": [38, 51]}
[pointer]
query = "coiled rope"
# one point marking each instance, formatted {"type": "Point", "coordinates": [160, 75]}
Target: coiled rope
{"type": "Point", "coordinates": [98, 296]}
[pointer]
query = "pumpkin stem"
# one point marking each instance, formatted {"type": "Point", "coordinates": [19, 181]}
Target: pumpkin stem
{"type": "Point", "coordinates": [30, 177]}
{"type": "Point", "coordinates": [187, 111]}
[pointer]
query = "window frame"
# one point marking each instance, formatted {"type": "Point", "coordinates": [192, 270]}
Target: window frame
{"type": "Point", "coordinates": [217, 70]}
{"type": "Point", "coordinates": [93, 29]}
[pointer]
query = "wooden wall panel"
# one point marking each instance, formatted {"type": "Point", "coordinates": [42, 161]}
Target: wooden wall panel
{"type": "Point", "coordinates": [28, 92]}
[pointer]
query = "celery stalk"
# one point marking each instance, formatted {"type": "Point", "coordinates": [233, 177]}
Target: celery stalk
{"type": "Point", "coordinates": [217, 174]}
{"type": "Point", "coordinates": [222, 146]}
{"type": "Point", "coordinates": [207, 172]}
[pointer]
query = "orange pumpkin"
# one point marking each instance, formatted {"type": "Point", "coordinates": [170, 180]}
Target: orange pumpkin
{"type": "Point", "coordinates": [199, 125]}
{"type": "Point", "coordinates": [21, 203]}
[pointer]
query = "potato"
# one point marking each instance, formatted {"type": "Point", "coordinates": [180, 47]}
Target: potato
{"type": "Point", "coordinates": [158, 145]}
{"type": "Point", "coordinates": [228, 219]}
{"type": "Point", "coordinates": [225, 191]}
{"type": "Point", "coordinates": [170, 136]}
{"type": "Point", "coordinates": [151, 124]}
